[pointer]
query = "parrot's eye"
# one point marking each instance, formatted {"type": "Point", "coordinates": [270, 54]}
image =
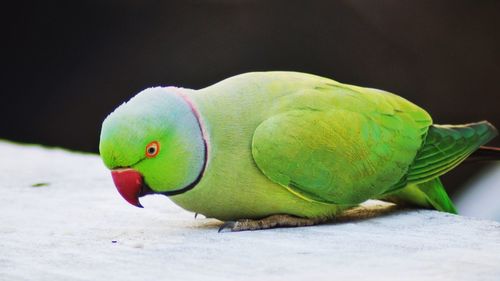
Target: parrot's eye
{"type": "Point", "coordinates": [152, 149]}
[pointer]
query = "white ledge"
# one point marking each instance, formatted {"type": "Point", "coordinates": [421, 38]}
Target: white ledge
{"type": "Point", "coordinates": [61, 219]}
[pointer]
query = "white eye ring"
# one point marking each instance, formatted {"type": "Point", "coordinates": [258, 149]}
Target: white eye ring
{"type": "Point", "coordinates": [152, 149]}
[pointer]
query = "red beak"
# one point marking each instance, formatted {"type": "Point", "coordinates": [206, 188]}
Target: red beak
{"type": "Point", "coordinates": [129, 184]}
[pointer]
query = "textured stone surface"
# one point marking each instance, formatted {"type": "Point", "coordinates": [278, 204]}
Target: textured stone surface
{"type": "Point", "coordinates": [61, 219]}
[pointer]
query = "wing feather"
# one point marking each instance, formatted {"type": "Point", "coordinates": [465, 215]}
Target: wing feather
{"type": "Point", "coordinates": [353, 145]}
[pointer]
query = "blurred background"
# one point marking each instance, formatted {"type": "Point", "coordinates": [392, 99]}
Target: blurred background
{"type": "Point", "coordinates": [67, 64]}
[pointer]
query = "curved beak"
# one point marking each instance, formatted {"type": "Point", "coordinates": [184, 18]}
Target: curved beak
{"type": "Point", "coordinates": [129, 184]}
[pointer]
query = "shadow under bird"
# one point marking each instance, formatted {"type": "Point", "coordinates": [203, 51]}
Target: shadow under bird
{"type": "Point", "coordinates": [270, 149]}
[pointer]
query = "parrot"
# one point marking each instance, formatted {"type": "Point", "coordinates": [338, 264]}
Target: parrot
{"type": "Point", "coordinates": [283, 149]}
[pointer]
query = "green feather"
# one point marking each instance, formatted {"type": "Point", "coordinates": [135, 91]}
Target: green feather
{"type": "Point", "coordinates": [430, 194]}
{"type": "Point", "coordinates": [446, 146]}
{"type": "Point", "coordinates": [351, 146]}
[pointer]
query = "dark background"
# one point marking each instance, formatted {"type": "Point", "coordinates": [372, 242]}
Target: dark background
{"type": "Point", "coordinates": [67, 64]}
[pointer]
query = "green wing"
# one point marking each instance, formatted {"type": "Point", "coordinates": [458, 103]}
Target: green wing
{"type": "Point", "coordinates": [339, 144]}
{"type": "Point", "coordinates": [344, 144]}
{"type": "Point", "coordinates": [446, 146]}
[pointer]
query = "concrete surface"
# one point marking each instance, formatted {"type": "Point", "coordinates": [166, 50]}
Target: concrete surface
{"type": "Point", "coordinates": [61, 219]}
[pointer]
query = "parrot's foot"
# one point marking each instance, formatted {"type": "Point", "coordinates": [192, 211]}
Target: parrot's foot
{"type": "Point", "coordinates": [270, 222]}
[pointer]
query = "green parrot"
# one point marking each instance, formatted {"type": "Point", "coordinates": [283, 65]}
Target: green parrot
{"type": "Point", "coordinates": [268, 149]}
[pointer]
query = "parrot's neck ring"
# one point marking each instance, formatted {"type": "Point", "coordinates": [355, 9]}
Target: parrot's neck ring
{"type": "Point", "coordinates": [205, 145]}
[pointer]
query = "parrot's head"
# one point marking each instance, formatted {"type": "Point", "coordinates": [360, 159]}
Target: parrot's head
{"type": "Point", "coordinates": [154, 143]}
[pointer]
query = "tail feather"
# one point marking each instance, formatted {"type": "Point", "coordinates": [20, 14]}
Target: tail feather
{"type": "Point", "coordinates": [484, 153]}
{"type": "Point", "coordinates": [437, 197]}
{"type": "Point", "coordinates": [445, 147]}
{"type": "Point", "coordinates": [430, 195]}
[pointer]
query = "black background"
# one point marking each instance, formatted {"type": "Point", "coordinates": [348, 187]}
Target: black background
{"type": "Point", "coordinates": [67, 64]}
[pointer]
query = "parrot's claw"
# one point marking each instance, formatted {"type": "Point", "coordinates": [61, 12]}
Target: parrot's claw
{"type": "Point", "coordinates": [269, 222]}
{"type": "Point", "coordinates": [227, 225]}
